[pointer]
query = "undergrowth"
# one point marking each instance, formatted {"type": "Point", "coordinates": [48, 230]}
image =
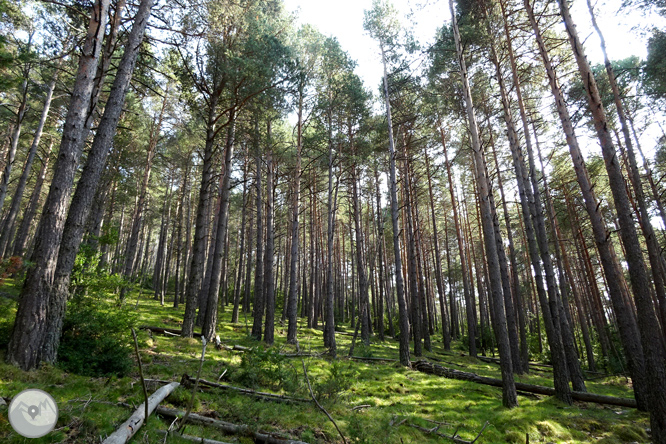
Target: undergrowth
{"type": "Point", "coordinates": [372, 401]}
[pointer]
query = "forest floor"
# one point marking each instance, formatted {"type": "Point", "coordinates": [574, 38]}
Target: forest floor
{"type": "Point", "coordinates": [395, 398]}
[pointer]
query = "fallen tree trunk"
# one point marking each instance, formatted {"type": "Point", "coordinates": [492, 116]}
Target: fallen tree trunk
{"type": "Point", "coordinates": [434, 369]}
{"type": "Point", "coordinates": [191, 438]}
{"type": "Point", "coordinates": [165, 331]}
{"type": "Point", "coordinates": [188, 381]}
{"type": "Point", "coordinates": [363, 358]}
{"type": "Point", "coordinates": [134, 423]}
{"type": "Point", "coordinates": [227, 427]}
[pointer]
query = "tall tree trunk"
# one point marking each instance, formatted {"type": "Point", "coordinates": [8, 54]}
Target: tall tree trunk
{"type": "Point", "coordinates": [269, 286]}
{"type": "Point", "coordinates": [648, 324]}
{"type": "Point", "coordinates": [292, 299]}
{"type": "Point", "coordinates": [31, 210]}
{"type": "Point", "coordinates": [654, 256]}
{"type": "Point", "coordinates": [31, 324]}
{"type": "Point", "coordinates": [360, 260]}
{"type": "Point", "coordinates": [509, 397]}
{"type": "Point", "coordinates": [198, 259]}
{"type": "Point", "coordinates": [16, 132]}
{"type": "Point", "coordinates": [241, 249]}
{"type": "Point", "coordinates": [626, 321]}
{"type": "Point", "coordinates": [131, 262]}
{"type": "Point", "coordinates": [399, 283]}
{"type": "Point", "coordinates": [86, 188]}
{"type": "Point", "coordinates": [209, 324]}
{"type": "Point", "coordinates": [446, 335]}
{"type": "Point", "coordinates": [469, 305]}
{"type": "Point", "coordinates": [380, 259]}
{"type": "Point", "coordinates": [10, 220]}
{"type": "Point", "coordinates": [259, 306]}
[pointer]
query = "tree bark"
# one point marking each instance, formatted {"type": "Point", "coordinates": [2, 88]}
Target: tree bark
{"type": "Point", "coordinates": [469, 305]}
{"type": "Point", "coordinates": [30, 327]}
{"type": "Point", "coordinates": [10, 220]}
{"type": "Point", "coordinates": [509, 397]}
{"type": "Point", "coordinates": [648, 324]}
{"type": "Point", "coordinates": [33, 204]}
{"type": "Point", "coordinates": [292, 299]}
{"type": "Point", "coordinates": [210, 317]}
{"type": "Point", "coordinates": [269, 281]}
{"type": "Point", "coordinates": [259, 306]}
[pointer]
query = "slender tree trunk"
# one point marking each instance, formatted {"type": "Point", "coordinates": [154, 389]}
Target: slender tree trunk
{"type": "Point", "coordinates": [648, 324]}
{"type": "Point", "coordinates": [269, 327]}
{"type": "Point", "coordinates": [399, 283]}
{"type": "Point", "coordinates": [509, 397]}
{"type": "Point", "coordinates": [380, 259]}
{"type": "Point", "coordinates": [16, 132]}
{"type": "Point", "coordinates": [654, 256]}
{"type": "Point", "coordinates": [360, 260]}
{"type": "Point", "coordinates": [33, 204]}
{"type": "Point", "coordinates": [241, 249]}
{"type": "Point", "coordinates": [259, 306]}
{"type": "Point", "coordinates": [31, 324]}
{"type": "Point", "coordinates": [10, 220]}
{"type": "Point", "coordinates": [198, 260]}
{"type": "Point", "coordinates": [626, 321]}
{"type": "Point", "coordinates": [209, 324]}
{"type": "Point", "coordinates": [292, 300]}
{"type": "Point", "coordinates": [469, 305]}
{"type": "Point", "coordinates": [446, 335]}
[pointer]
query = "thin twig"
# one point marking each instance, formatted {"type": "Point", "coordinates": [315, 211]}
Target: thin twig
{"type": "Point", "coordinates": [143, 381]}
{"type": "Point", "coordinates": [196, 385]}
{"type": "Point", "coordinates": [319, 405]}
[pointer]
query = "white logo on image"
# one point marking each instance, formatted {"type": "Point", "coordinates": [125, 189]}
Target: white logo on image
{"type": "Point", "coordinates": [33, 413]}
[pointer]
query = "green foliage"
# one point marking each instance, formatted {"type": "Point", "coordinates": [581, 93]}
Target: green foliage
{"type": "Point", "coordinates": [86, 276]}
{"type": "Point", "coordinates": [96, 338]}
{"type": "Point", "coordinates": [261, 367]}
{"type": "Point", "coordinates": [337, 382]}
{"type": "Point", "coordinates": [654, 71]}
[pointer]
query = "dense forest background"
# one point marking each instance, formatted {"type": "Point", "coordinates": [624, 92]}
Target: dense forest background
{"type": "Point", "coordinates": [494, 192]}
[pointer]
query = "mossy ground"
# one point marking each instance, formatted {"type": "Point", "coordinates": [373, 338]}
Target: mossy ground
{"type": "Point", "coordinates": [88, 406]}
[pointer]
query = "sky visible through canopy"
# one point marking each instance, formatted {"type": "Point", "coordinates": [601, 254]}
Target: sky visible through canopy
{"type": "Point", "coordinates": [343, 19]}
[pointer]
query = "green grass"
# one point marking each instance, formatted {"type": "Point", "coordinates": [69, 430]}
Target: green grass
{"type": "Point", "coordinates": [88, 407]}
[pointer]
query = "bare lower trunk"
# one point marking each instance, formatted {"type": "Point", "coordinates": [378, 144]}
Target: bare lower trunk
{"type": "Point", "coordinates": [269, 286]}
{"type": "Point", "coordinates": [209, 324]}
{"type": "Point", "coordinates": [509, 397]}
{"type": "Point", "coordinates": [647, 320]}
{"type": "Point", "coordinates": [259, 306]}
{"type": "Point", "coordinates": [446, 335]}
{"type": "Point", "coordinates": [31, 210]}
{"type": "Point", "coordinates": [30, 327]}
{"type": "Point", "coordinates": [471, 325]}
{"type": "Point", "coordinates": [292, 299]}
{"type": "Point", "coordinates": [10, 220]}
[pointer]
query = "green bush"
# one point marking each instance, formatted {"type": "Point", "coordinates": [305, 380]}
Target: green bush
{"type": "Point", "coordinates": [338, 380]}
{"type": "Point", "coordinates": [96, 339]}
{"type": "Point", "coordinates": [267, 368]}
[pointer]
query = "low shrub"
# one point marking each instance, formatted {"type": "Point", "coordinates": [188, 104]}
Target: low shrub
{"type": "Point", "coordinates": [96, 338]}
{"type": "Point", "coordinates": [261, 367]}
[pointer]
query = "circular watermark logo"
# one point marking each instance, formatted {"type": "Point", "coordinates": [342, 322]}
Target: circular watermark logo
{"type": "Point", "coordinates": [33, 413]}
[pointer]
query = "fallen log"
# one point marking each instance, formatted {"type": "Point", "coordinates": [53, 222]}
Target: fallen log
{"type": "Point", "coordinates": [188, 381]}
{"type": "Point", "coordinates": [434, 369]}
{"type": "Point", "coordinates": [533, 365]}
{"type": "Point", "coordinates": [192, 438]}
{"type": "Point", "coordinates": [455, 438]}
{"type": "Point", "coordinates": [227, 427]}
{"type": "Point", "coordinates": [165, 331]}
{"type": "Point", "coordinates": [236, 348]}
{"type": "Point", "coordinates": [134, 423]}
{"type": "Point", "coordinates": [363, 358]}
